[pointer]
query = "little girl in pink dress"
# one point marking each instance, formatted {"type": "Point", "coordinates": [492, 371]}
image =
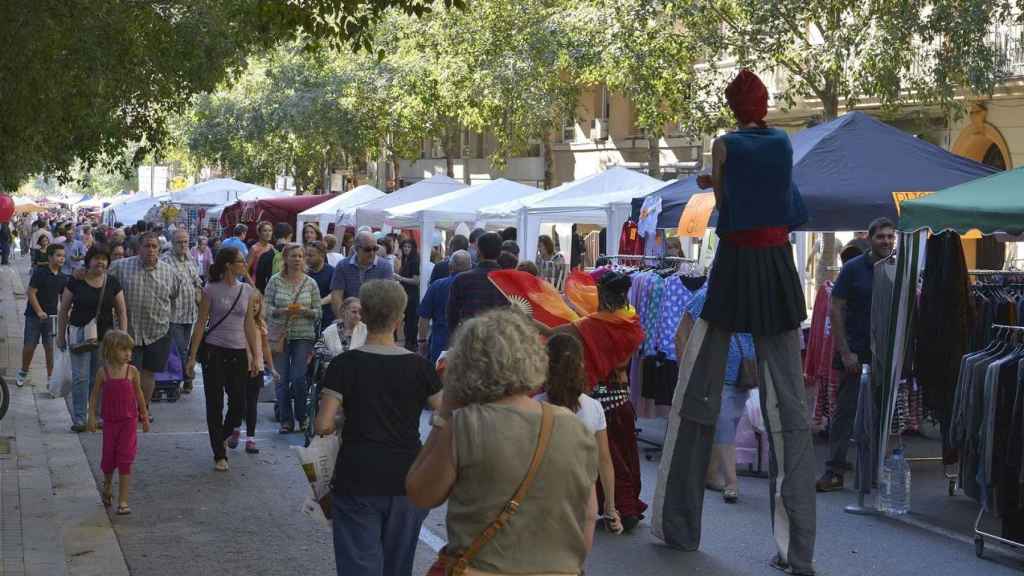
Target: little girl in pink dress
{"type": "Point", "coordinates": [122, 403]}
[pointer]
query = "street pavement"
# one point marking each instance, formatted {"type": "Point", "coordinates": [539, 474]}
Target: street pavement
{"type": "Point", "coordinates": [188, 519]}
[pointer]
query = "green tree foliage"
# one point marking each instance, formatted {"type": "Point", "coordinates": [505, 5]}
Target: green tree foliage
{"type": "Point", "coordinates": [843, 52]}
{"type": "Point", "coordinates": [291, 112]}
{"type": "Point", "coordinates": [80, 80]}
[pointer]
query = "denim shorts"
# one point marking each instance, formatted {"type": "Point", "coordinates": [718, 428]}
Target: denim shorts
{"type": "Point", "coordinates": [36, 330]}
{"type": "Point", "coordinates": [734, 401]}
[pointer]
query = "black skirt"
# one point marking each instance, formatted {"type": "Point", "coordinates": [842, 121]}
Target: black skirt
{"type": "Point", "coordinates": [754, 290]}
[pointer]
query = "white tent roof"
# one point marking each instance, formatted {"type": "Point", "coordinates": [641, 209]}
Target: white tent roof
{"type": "Point", "coordinates": [257, 193]}
{"type": "Point", "coordinates": [214, 192]}
{"type": "Point", "coordinates": [616, 185]}
{"type": "Point", "coordinates": [327, 212]}
{"type": "Point", "coordinates": [373, 213]}
{"type": "Point", "coordinates": [459, 206]}
{"type": "Point", "coordinates": [132, 210]}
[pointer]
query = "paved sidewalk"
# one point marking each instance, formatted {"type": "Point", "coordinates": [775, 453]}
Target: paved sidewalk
{"type": "Point", "coordinates": [51, 519]}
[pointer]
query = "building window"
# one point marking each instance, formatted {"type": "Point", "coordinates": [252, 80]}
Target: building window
{"type": "Point", "coordinates": [568, 130]}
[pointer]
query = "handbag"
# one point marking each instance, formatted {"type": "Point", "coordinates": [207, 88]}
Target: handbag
{"type": "Point", "coordinates": [87, 338]}
{"type": "Point", "coordinates": [277, 341]}
{"type": "Point", "coordinates": [450, 563]}
{"type": "Point", "coordinates": [201, 352]}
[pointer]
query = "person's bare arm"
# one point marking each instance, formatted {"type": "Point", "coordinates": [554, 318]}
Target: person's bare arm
{"type": "Point", "coordinates": [33, 301]}
{"type": "Point", "coordinates": [329, 406]}
{"type": "Point", "coordinates": [837, 313]}
{"type": "Point", "coordinates": [337, 298]}
{"type": "Point", "coordinates": [197, 334]}
{"type": "Point", "coordinates": [718, 152]}
{"type": "Point", "coordinates": [252, 333]}
{"type": "Point", "coordinates": [62, 317]}
{"type": "Point", "coordinates": [422, 334]}
{"type": "Point", "coordinates": [591, 520]}
{"type": "Point", "coordinates": [432, 475]}
{"type": "Point", "coordinates": [140, 397]}
{"type": "Point", "coordinates": [122, 311]}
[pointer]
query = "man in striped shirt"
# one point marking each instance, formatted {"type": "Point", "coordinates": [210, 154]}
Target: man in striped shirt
{"type": "Point", "coordinates": [150, 288]}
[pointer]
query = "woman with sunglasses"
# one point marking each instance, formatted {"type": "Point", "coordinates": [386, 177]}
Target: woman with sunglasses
{"type": "Point", "coordinates": [227, 324]}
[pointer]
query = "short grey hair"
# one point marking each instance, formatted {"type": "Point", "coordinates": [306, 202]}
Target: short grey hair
{"type": "Point", "coordinates": [383, 303]}
{"type": "Point", "coordinates": [493, 356]}
{"type": "Point", "coordinates": [367, 239]}
{"type": "Point", "coordinates": [461, 261]}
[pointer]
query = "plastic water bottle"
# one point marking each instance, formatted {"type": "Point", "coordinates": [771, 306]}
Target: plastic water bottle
{"type": "Point", "coordinates": [894, 487]}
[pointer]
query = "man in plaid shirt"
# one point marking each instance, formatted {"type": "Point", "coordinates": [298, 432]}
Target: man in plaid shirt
{"type": "Point", "coordinates": [150, 288]}
{"type": "Point", "coordinates": [186, 306]}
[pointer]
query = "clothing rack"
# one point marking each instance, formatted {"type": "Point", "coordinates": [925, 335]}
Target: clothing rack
{"type": "Point", "coordinates": [979, 534]}
{"type": "Point", "coordinates": [643, 257]}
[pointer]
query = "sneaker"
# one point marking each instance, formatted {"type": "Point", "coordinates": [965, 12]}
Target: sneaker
{"type": "Point", "coordinates": [21, 378]}
{"type": "Point", "coordinates": [221, 465]}
{"type": "Point", "coordinates": [250, 446]}
{"type": "Point", "coordinates": [232, 441]}
{"type": "Point", "coordinates": [830, 482]}
{"type": "Point", "coordinates": [78, 428]}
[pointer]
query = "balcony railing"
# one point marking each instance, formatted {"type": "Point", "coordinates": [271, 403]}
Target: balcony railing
{"type": "Point", "coordinates": [1008, 40]}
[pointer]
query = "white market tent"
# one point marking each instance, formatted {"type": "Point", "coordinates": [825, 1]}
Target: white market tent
{"type": "Point", "coordinates": [325, 213]}
{"type": "Point", "coordinates": [132, 209]}
{"type": "Point", "coordinates": [214, 192]}
{"type": "Point", "coordinates": [257, 193]}
{"type": "Point", "coordinates": [451, 209]}
{"type": "Point", "coordinates": [604, 198]}
{"type": "Point", "coordinates": [373, 213]}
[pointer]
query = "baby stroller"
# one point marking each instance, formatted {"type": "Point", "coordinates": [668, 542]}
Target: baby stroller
{"type": "Point", "coordinates": [168, 382]}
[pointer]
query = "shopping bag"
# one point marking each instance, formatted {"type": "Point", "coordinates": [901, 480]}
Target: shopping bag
{"type": "Point", "coordinates": [61, 379]}
{"type": "Point", "coordinates": [317, 461]}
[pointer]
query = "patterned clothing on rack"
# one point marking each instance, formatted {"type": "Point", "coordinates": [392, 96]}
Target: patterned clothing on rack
{"type": "Point", "coordinates": [819, 372]}
{"type": "Point", "coordinates": [674, 299]}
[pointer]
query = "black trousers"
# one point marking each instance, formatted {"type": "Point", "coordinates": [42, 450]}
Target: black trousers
{"type": "Point", "coordinates": [252, 398]}
{"type": "Point", "coordinates": [225, 373]}
{"type": "Point", "coordinates": [412, 319]}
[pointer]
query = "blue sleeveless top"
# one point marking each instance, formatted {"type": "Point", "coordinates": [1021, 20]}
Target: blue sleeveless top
{"type": "Point", "coordinates": [759, 187]}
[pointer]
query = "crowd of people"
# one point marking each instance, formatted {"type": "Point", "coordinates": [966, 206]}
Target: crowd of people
{"type": "Point", "coordinates": [121, 299]}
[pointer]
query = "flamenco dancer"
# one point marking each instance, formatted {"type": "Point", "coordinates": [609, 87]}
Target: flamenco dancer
{"type": "Point", "coordinates": [754, 288]}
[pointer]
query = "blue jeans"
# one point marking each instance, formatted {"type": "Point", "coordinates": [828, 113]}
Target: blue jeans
{"type": "Point", "coordinates": [84, 366]}
{"type": "Point", "coordinates": [375, 535]}
{"type": "Point", "coordinates": [291, 389]}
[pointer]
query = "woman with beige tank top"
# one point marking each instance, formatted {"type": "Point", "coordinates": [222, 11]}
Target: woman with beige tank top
{"type": "Point", "coordinates": [518, 475]}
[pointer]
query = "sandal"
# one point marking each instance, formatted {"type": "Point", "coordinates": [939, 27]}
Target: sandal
{"type": "Point", "coordinates": [730, 495]}
{"type": "Point", "coordinates": [107, 494]}
{"type": "Point", "coordinates": [123, 510]}
{"type": "Point", "coordinates": [778, 564]}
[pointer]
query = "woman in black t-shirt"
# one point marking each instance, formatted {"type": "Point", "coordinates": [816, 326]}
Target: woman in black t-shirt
{"type": "Point", "coordinates": [79, 305]}
{"type": "Point", "coordinates": [384, 389]}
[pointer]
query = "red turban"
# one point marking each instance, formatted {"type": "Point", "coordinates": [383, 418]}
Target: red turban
{"type": "Point", "coordinates": [748, 98]}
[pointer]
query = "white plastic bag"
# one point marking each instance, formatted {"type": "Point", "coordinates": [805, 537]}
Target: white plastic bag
{"type": "Point", "coordinates": [317, 461]}
{"type": "Point", "coordinates": [61, 379]}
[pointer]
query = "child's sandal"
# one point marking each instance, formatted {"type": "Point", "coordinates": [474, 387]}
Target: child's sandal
{"type": "Point", "coordinates": [123, 510]}
{"type": "Point", "coordinates": [107, 494]}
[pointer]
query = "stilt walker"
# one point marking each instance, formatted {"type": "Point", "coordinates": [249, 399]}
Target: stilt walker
{"type": "Point", "coordinates": [753, 287]}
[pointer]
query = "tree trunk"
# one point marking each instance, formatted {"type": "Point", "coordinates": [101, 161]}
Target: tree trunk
{"type": "Point", "coordinates": [830, 102]}
{"type": "Point", "coordinates": [325, 175]}
{"type": "Point", "coordinates": [447, 140]}
{"type": "Point", "coordinates": [395, 167]}
{"type": "Point", "coordinates": [549, 161]}
{"type": "Point", "coordinates": [653, 157]}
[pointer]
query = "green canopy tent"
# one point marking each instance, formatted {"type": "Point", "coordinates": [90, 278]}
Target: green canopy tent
{"type": "Point", "coordinates": [991, 204]}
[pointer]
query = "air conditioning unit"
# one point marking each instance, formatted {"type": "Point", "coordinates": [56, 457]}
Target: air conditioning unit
{"type": "Point", "coordinates": [599, 129]}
